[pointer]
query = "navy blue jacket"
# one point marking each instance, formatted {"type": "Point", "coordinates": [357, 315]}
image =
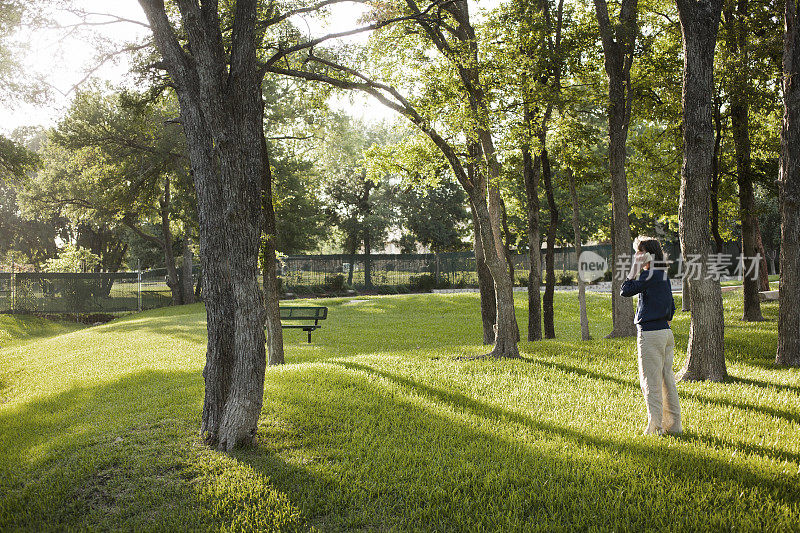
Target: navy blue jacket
{"type": "Point", "coordinates": [656, 305]}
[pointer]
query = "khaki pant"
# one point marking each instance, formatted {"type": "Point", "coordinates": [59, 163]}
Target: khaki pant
{"type": "Point", "coordinates": [658, 381]}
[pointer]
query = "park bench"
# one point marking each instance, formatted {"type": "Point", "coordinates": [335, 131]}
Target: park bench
{"type": "Point", "coordinates": [307, 315]}
{"type": "Point", "coordinates": [768, 295]}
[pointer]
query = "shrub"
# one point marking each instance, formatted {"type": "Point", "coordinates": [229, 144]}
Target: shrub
{"type": "Point", "coordinates": [427, 282]}
{"type": "Point", "coordinates": [523, 281]}
{"type": "Point", "coordinates": [301, 289]}
{"type": "Point", "coordinates": [334, 283]}
{"type": "Point", "coordinates": [422, 283]}
{"type": "Point", "coordinates": [78, 294]}
{"type": "Point", "coordinates": [608, 275]}
{"type": "Point", "coordinates": [566, 278]}
{"type": "Point", "coordinates": [387, 289]}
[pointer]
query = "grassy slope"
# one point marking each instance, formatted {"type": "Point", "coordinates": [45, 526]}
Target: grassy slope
{"type": "Point", "coordinates": [21, 328]}
{"type": "Point", "coordinates": [375, 426]}
{"type": "Point", "coordinates": [16, 330]}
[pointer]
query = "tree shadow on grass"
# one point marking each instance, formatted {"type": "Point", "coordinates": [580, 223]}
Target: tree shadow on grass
{"type": "Point", "coordinates": [770, 411]}
{"type": "Point", "coordinates": [124, 455]}
{"type": "Point", "coordinates": [188, 325]}
{"type": "Point", "coordinates": [410, 456]}
{"type": "Point", "coordinates": [714, 441]}
{"type": "Point", "coordinates": [349, 453]}
{"type": "Point", "coordinates": [777, 387]}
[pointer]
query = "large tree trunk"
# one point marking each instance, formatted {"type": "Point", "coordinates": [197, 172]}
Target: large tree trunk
{"type": "Point", "coordinates": [274, 332]}
{"type": "Point", "coordinates": [507, 241]}
{"type": "Point", "coordinates": [740, 123]}
{"type": "Point", "coordinates": [173, 281]}
{"type": "Point", "coordinates": [485, 282]}
{"type": "Point", "coordinates": [576, 230]}
{"type": "Point", "coordinates": [485, 288]}
{"type": "Point", "coordinates": [503, 283]}
{"type": "Point", "coordinates": [221, 113]}
{"type": "Point", "coordinates": [763, 270]}
{"type": "Point", "coordinates": [622, 315]}
{"type": "Point", "coordinates": [789, 287]}
{"type": "Point", "coordinates": [686, 295]}
{"type": "Point", "coordinates": [530, 172]}
{"type": "Point", "coordinates": [198, 289]}
{"type": "Point", "coordinates": [738, 80]}
{"type": "Point", "coordinates": [506, 333]}
{"type": "Point", "coordinates": [618, 48]}
{"type": "Point", "coordinates": [188, 284]}
{"type": "Point", "coordinates": [550, 284]}
{"type": "Point", "coordinates": [706, 350]}
{"type": "Point", "coordinates": [715, 176]}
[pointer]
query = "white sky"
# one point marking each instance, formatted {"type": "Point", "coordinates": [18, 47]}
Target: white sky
{"type": "Point", "coordinates": [63, 60]}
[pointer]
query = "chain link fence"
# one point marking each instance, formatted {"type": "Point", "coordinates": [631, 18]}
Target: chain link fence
{"type": "Point", "coordinates": [70, 293]}
{"type": "Point", "coordinates": [83, 293]}
{"type": "Point", "coordinates": [309, 273]}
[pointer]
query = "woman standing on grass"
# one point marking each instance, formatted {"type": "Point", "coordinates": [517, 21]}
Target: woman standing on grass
{"type": "Point", "coordinates": [654, 338]}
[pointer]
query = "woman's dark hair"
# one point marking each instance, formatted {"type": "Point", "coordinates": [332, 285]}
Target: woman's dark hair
{"type": "Point", "coordinates": [653, 247]}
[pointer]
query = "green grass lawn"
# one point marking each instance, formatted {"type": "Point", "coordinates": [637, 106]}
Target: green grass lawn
{"type": "Point", "coordinates": [773, 280]}
{"type": "Point", "coordinates": [15, 329]}
{"type": "Point", "coordinates": [375, 426]}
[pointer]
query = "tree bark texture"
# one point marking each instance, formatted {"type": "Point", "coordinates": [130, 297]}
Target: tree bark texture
{"type": "Point", "coordinates": [504, 284]}
{"type": "Point", "coordinates": [173, 281]}
{"type": "Point", "coordinates": [507, 241]}
{"type": "Point", "coordinates": [788, 352]}
{"type": "Point", "coordinates": [219, 92]}
{"type": "Point", "coordinates": [576, 230]}
{"type": "Point", "coordinates": [618, 49]}
{"type": "Point", "coordinates": [740, 123]}
{"type": "Point", "coordinates": [715, 175]}
{"type": "Point", "coordinates": [486, 289]}
{"type": "Point", "coordinates": [530, 172]}
{"type": "Point", "coordinates": [706, 351]}
{"type": "Point", "coordinates": [550, 284]}
{"type": "Point", "coordinates": [686, 295]}
{"type": "Point", "coordinates": [736, 15]}
{"type": "Point", "coordinates": [485, 282]}
{"type": "Point", "coordinates": [506, 331]}
{"type": "Point", "coordinates": [763, 270]}
{"type": "Point", "coordinates": [274, 332]}
{"type": "Point", "coordinates": [188, 284]}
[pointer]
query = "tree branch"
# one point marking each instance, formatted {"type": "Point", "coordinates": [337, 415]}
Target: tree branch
{"type": "Point", "coordinates": [281, 53]}
{"type": "Point", "coordinates": [299, 11]}
{"type": "Point", "coordinates": [115, 19]}
{"type": "Point", "coordinates": [401, 105]}
{"type": "Point", "coordinates": [129, 221]}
